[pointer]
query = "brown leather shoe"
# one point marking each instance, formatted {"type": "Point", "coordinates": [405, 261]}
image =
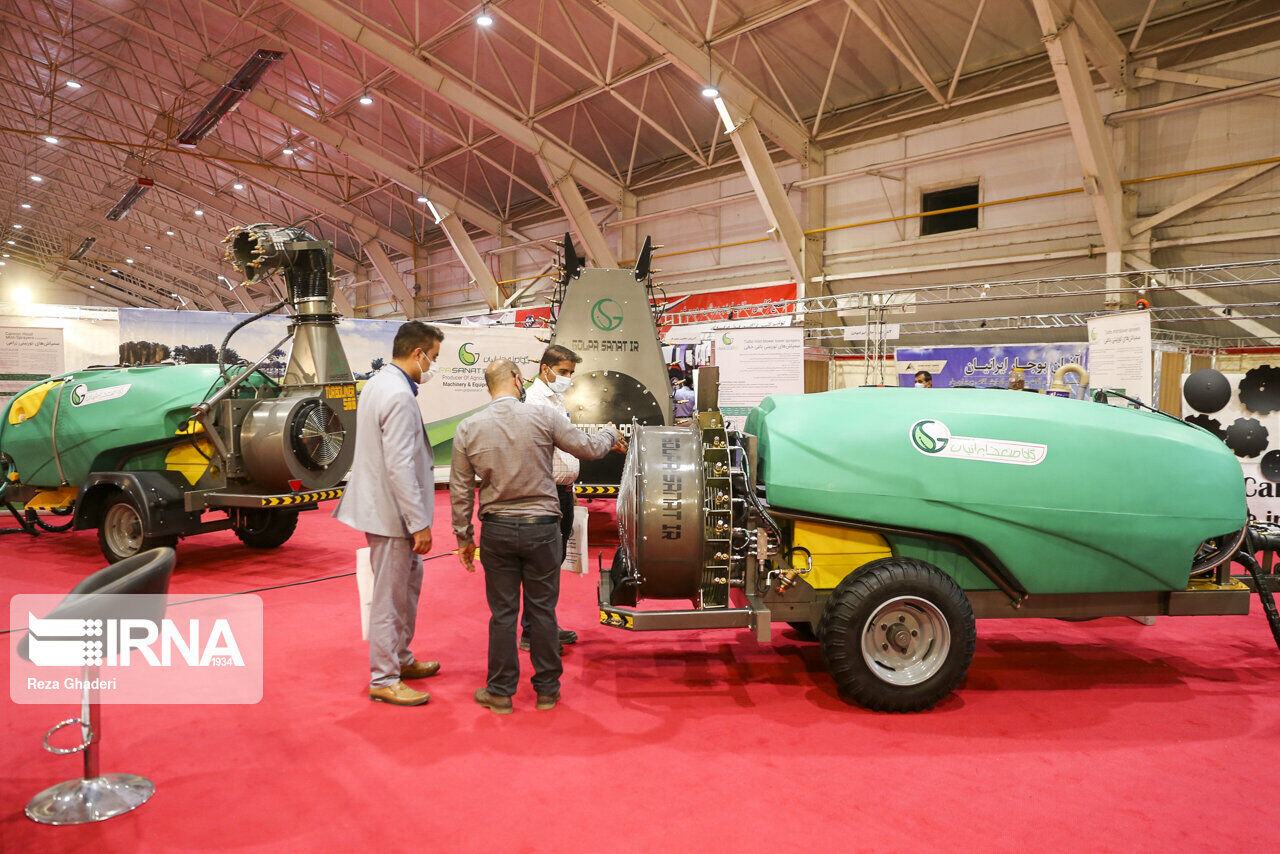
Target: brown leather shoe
{"type": "Point", "coordinates": [399, 694]}
{"type": "Point", "coordinates": [420, 669]}
{"type": "Point", "coordinates": [548, 702]}
{"type": "Point", "coordinates": [494, 703]}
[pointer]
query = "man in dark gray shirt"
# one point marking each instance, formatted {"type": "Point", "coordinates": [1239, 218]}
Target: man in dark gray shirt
{"type": "Point", "coordinates": [507, 447]}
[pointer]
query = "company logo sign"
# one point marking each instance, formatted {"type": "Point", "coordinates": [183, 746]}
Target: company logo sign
{"type": "Point", "coordinates": [726, 339]}
{"type": "Point", "coordinates": [606, 314]}
{"type": "Point", "coordinates": [200, 651]}
{"type": "Point", "coordinates": [81, 396]}
{"type": "Point", "coordinates": [933, 438]}
{"type": "Point", "coordinates": [465, 356]}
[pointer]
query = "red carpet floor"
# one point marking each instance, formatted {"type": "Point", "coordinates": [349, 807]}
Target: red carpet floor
{"type": "Point", "coordinates": [1102, 736]}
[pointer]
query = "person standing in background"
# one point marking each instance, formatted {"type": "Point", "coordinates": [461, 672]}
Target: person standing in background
{"type": "Point", "coordinates": [555, 375]}
{"type": "Point", "coordinates": [682, 396]}
{"type": "Point", "coordinates": [390, 495]}
{"type": "Point", "coordinates": [924, 379]}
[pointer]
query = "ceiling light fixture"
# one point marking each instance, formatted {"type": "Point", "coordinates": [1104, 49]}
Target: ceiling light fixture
{"type": "Point", "coordinates": [26, 206]}
{"type": "Point", "coordinates": [52, 140]}
{"type": "Point", "coordinates": [170, 233]}
{"type": "Point", "coordinates": [422, 200]}
{"type": "Point", "coordinates": [146, 247]}
{"type": "Point", "coordinates": [199, 212]}
{"type": "Point", "coordinates": [17, 225]}
{"type": "Point", "coordinates": [73, 84]}
{"type": "Point", "coordinates": [710, 91]}
{"type": "Point", "coordinates": [237, 186]}
{"type": "Point", "coordinates": [36, 178]}
{"type": "Point", "coordinates": [366, 99]}
{"type": "Point", "coordinates": [484, 19]}
{"type": "Point", "coordinates": [131, 195]}
{"type": "Point", "coordinates": [286, 151]}
{"type": "Point", "coordinates": [128, 260]}
{"type": "Point", "coordinates": [228, 96]}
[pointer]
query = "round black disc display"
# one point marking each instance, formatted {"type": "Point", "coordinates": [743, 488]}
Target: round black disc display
{"type": "Point", "coordinates": [1260, 390]}
{"type": "Point", "coordinates": [1271, 466]}
{"type": "Point", "coordinates": [1247, 437]}
{"type": "Point", "coordinates": [1207, 390]}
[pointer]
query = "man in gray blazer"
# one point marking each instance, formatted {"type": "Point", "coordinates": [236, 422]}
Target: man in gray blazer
{"type": "Point", "coordinates": [390, 495]}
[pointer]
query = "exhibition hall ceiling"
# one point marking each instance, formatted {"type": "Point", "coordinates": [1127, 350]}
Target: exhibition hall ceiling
{"type": "Point", "coordinates": [469, 109]}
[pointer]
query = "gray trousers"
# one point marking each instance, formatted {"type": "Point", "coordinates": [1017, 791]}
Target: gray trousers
{"type": "Point", "coordinates": [393, 613]}
{"type": "Point", "coordinates": [517, 556]}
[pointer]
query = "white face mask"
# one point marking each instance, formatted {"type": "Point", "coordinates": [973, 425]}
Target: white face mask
{"type": "Point", "coordinates": [919, 385]}
{"type": "Point", "coordinates": [559, 384]}
{"type": "Point", "coordinates": [430, 374]}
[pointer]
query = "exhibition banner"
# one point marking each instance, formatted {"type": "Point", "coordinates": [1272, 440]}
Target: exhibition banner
{"type": "Point", "coordinates": [151, 649]}
{"type": "Point", "coordinates": [987, 367]}
{"type": "Point", "coordinates": [28, 355]}
{"type": "Point", "coordinates": [460, 389]}
{"type": "Point", "coordinates": [755, 363]}
{"type": "Point", "coordinates": [1120, 353]}
{"type": "Point", "coordinates": [1251, 429]}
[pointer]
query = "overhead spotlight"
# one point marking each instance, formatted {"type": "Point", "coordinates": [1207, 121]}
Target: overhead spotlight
{"type": "Point", "coordinates": [146, 247]}
{"type": "Point", "coordinates": [128, 260]}
{"type": "Point", "coordinates": [131, 195]}
{"type": "Point", "coordinates": [26, 206]}
{"type": "Point", "coordinates": [12, 242]}
{"type": "Point", "coordinates": [170, 233]}
{"type": "Point", "coordinates": [36, 178]}
{"type": "Point", "coordinates": [227, 97]}
{"type": "Point", "coordinates": [286, 151]}
{"type": "Point", "coordinates": [93, 287]}
{"type": "Point", "coordinates": [422, 200]}
{"type": "Point", "coordinates": [710, 91]}
{"type": "Point", "coordinates": [52, 140]}
{"type": "Point", "coordinates": [17, 226]}
{"type": "Point", "coordinates": [117, 272]}
{"type": "Point", "coordinates": [237, 186]}
{"type": "Point", "coordinates": [484, 19]}
{"type": "Point", "coordinates": [2, 263]}
{"type": "Point", "coordinates": [4, 255]}
{"type": "Point", "coordinates": [366, 99]}
{"type": "Point", "coordinates": [72, 84]}
{"type": "Point", "coordinates": [198, 212]}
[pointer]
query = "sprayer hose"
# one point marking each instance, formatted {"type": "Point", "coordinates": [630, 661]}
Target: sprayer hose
{"type": "Point", "coordinates": [1249, 562]}
{"type": "Point", "coordinates": [222, 348]}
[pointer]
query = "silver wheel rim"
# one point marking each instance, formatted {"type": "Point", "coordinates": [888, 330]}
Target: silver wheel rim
{"type": "Point", "coordinates": [906, 641]}
{"type": "Point", "coordinates": [122, 529]}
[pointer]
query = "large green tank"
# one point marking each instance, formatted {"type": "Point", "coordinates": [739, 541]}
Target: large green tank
{"type": "Point", "coordinates": [1071, 496]}
{"type": "Point", "coordinates": [103, 419]}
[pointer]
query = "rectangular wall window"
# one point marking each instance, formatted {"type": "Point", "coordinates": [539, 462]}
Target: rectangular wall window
{"type": "Point", "coordinates": [941, 200]}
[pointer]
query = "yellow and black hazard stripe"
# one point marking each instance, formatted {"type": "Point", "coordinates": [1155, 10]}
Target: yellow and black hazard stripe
{"type": "Point", "coordinates": [578, 489]}
{"type": "Point", "coordinates": [300, 498]}
{"type": "Point", "coordinates": [618, 621]}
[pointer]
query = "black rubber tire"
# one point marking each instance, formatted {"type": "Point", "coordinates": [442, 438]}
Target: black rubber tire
{"type": "Point", "coordinates": [118, 512]}
{"type": "Point", "coordinates": [853, 603]}
{"type": "Point", "coordinates": [805, 630]}
{"type": "Point", "coordinates": [267, 529]}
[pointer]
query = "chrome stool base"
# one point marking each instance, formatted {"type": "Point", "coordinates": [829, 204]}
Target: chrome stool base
{"type": "Point", "coordinates": [90, 799]}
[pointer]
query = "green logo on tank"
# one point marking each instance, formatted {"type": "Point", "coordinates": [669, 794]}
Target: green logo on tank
{"type": "Point", "coordinates": [929, 436]}
{"type": "Point", "coordinates": [606, 315]}
{"type": "Point", "coordinates": [465, 356]}
{"type": "Point", "coordinates": [78, 394]}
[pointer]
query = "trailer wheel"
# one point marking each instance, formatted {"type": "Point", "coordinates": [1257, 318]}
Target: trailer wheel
{"type": "Point", "coordinates": [121, 532]}
{"type": "Point", "coordinates": [897, 635]}
{"type": "Point", "coordinates": [266, 529]}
